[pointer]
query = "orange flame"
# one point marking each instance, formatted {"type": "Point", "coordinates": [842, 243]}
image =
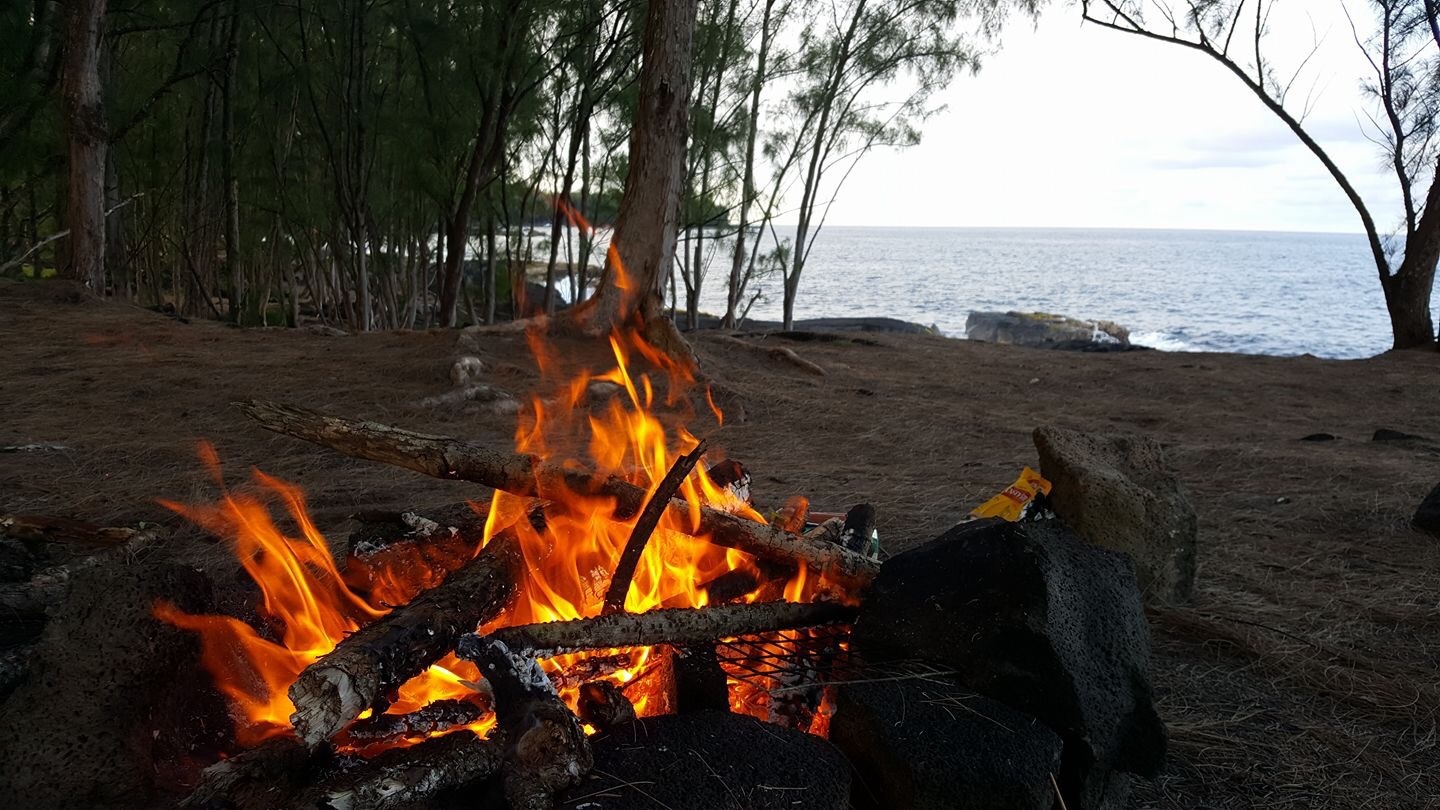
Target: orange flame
{"type": "Point", "coordinates": [309, 605]}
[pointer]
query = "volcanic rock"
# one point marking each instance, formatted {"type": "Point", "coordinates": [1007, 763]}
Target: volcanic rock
{"type": "Point", "coordinates": [1427, 517]}
{"type": "Point", "coordinates": [113, 694]}
{"type": "Point", "coordinates": [1036, 618]}
{"type": "Point", "coordinates": [715, 760]}
{"type": "Point", "coordinates": [1117, 492]}
{"type": "Point", "coordinates": [921, 744]}
{"type": "Point", "coordinates": [1041, 330]}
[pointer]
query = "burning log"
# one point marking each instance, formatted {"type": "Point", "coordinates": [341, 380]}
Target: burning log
{"type": "Point", "coordinates": [590, 668]}
{"type": "Point", "coordinates": [263, 777]}
{"type": "Point", "coordinates": [548, 751]}
{"type": "Point", "coordinates": [411, 776]}
{"type": "Point", "coordinates": [604, 706]}
{"type": "Point", "coordinates": [663, 626]}
{"type": "Point", "coordinates": [437, 716]}
{"type": "Point", "coordinates": [369, 663]}
{"type": "Point", "coordinates": [645, 526]}
{"type": "Point", "coordinates": [791, 516]}
{"type": "Point", "coordinates": [453, 459]}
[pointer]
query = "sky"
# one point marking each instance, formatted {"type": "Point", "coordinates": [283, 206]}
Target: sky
{"type": "Point", "coordinates": [1072, 125]}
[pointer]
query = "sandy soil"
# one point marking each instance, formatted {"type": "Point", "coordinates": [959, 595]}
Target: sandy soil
{"type": "Point", "coordinates": [1304, 674]}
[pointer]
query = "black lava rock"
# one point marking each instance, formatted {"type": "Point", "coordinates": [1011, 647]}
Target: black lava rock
{"type": "Point", "coordinates": [713, 760]}
{"type": "Point", "coordinates": [1427, 517]}
{"type": "Point", "coordinates": [1388, 435]}
{"type": "Point", "coordinates": [114, 694]}
{"type": "Point", "coordinates": [1319, 437]}
{"type": "Point", "coordinates": [1036, 618]}
{"type": "Point", "coordinates": [925, 744]}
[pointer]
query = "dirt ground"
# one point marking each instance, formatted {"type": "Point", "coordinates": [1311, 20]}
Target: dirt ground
{"type": "Point", "coordinates": [1303, 675]}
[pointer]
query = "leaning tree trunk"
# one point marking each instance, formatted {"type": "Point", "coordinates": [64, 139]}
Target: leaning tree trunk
{"type": "Point", "coordinates": [1408, 291]}
{"type": "Point", "coordinates": [643, 243]}
{"type": "Point", "coordinates": [85, 126]}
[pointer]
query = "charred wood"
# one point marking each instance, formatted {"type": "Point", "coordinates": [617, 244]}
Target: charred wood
{"type": "Point", "coordinates": [433, 717]}
{"type": "Point", "coordinates": [662, 626]}
{"type": "Point", "coordinates": [732, 475]}
{"type": "Point", "coordinates": [410, 776]}
{"type": "Point", "coordinates": [604, 706]}
{"type": "Point", "coordinates": [547, 750]}
{"type": "Point", "coordinates": [261, 778]}
{"type": "Point", "coordinates": [858, 527]}
{"type": "Point", "coordinates": [369, 663]}
{"type": "Point", "coordinates": [645, 527]}
{"type": "Point", "coordinates": [590, 668]}
{"type": "Point", "coordinates": [453, 459]}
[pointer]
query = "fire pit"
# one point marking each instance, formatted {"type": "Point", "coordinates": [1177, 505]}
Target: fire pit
{"type": "Point", "coordinates": [620, 572]}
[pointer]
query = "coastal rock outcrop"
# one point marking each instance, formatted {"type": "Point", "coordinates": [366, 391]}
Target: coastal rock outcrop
{"type": "Point", "coordinates": [1043, 330]}
{"type": "Point", "coordinates": [1116, 491]}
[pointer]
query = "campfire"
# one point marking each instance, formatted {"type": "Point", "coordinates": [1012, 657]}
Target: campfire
{"type": "Point", "coordinates": [618, 626]}
{"type": "Point", "coordinates": [617, 552]}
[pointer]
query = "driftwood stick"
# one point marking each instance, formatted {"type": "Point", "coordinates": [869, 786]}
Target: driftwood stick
{"type": "Point", "coordinates": [453, 459]}
{"type": "Point", "coordinates": [411, 776]}
{"type": "Point", "coordinates": [645, 527]}
{"type": "Point", "coordinates": [548, 751]}
{"type": "Point", "coordinates": [662, 626]}
{"type": "Point", "coordinates": [370, 662]}
{"type": "Point", "coordinates": [781, 353]}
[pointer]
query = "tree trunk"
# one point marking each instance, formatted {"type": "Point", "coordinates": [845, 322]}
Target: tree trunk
{"type": "Point", "coordinates": [85, 126]}
{"type": "Point", "coordinates": [643, 245]}
{"type": "Point", "coordinates": [227, 165]}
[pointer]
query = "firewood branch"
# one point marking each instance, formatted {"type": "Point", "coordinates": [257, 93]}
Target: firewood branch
{"type": "Point", "coordinates": [680, 626]}
{"type": "Point", "coordinates": [453, 459]}
{"type": "Point", "coordinates": [370, 662]}
{"type": "Point", "coordinates": [645, 527]}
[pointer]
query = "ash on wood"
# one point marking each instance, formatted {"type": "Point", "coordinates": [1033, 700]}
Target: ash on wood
{"type": "Point", "coordinates": [547, 751]}
{"type": "Point", "coordinates": [448, 458]}
{"type": "Point", "coordinates": [366, 665]}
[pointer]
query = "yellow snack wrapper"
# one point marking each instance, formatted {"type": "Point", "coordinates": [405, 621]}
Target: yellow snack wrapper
{"type": "Point", "coordinates": [1011, 503]}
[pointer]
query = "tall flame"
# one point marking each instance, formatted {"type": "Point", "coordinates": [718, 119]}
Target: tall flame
{"type": "Point", "coordinates": [307, 607]}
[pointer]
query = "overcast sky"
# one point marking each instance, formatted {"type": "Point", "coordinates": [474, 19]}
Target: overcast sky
{"type": "Point", "coordinates": [1071, 125]}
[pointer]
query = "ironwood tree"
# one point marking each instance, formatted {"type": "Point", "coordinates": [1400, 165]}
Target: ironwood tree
{"type": "Point", "coordinates": [1403, 52]}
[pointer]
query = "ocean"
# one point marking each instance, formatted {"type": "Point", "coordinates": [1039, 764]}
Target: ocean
{"type": "Point", "coordinates": [1209, 291]}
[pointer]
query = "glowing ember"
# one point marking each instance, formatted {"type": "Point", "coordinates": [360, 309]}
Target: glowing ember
{"type": "Point", "coordinates": [308, 605]}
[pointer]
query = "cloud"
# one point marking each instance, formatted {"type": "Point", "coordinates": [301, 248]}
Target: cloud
{"type": "Point", "coordinates": [1216, 160]}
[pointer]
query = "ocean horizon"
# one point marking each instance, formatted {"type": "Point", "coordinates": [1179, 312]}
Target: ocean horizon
{"type": "Point", "coordinates": [1247, 292]}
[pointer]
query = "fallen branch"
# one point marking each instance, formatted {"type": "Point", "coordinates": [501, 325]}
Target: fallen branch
{"type": "Point", "coordinates": [780, 353]}
{"type": "Point", "coordinates": [548, 751]}
{"type": "Point", "coordinates": [645, 527]}
{"type": "Point", "coordinates": [681, 626]}
{"type": "Point", "coordinates": [370, 662]}
{"type": "Point", "coordinates": [452, 459]}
